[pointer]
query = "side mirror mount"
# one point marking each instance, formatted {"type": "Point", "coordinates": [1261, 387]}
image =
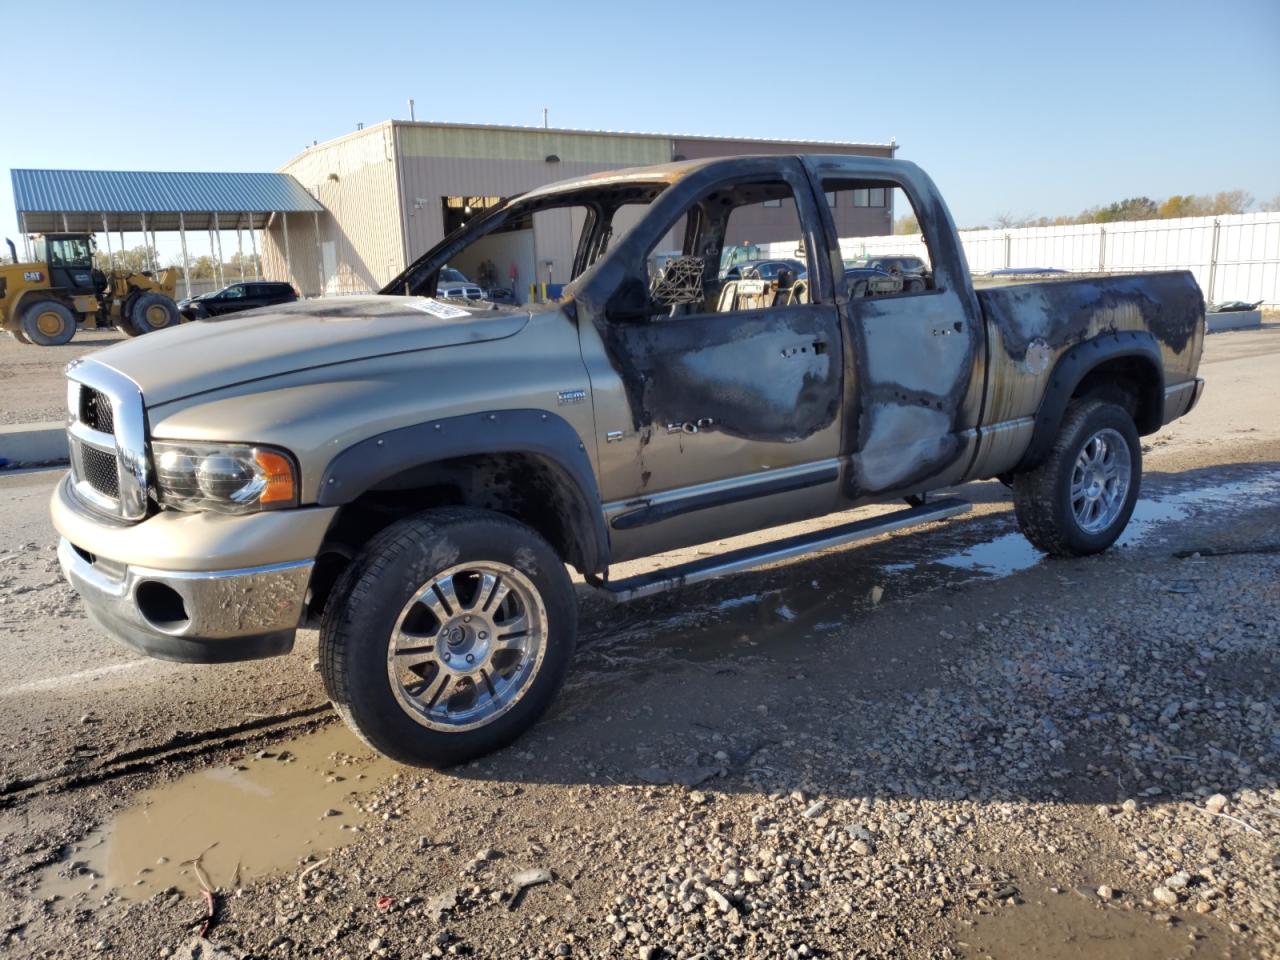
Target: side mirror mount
{"type": "Point", "coordinates": [630, 303]}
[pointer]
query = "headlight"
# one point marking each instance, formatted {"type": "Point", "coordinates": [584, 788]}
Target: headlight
{"type": "Point", "coordinates": [224, 477]}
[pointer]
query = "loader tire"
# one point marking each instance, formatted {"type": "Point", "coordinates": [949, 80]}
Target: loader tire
{"type": "Point", "coordinates": [151, 312]}
{"type": "Point", "coordinates": [48, 323]}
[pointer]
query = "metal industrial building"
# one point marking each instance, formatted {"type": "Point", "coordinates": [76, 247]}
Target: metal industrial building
{"type": "Point", "coordinates": [391, 191]}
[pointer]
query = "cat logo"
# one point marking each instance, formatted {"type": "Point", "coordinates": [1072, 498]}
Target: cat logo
{"type": "Point", "coordinates": [33, 276]}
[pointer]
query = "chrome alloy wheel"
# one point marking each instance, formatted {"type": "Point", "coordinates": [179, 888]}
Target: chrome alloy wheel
{"type": "Point", "coordinates": [1100, 480]}
{"type": "Point", "coordinates": [467, 646]}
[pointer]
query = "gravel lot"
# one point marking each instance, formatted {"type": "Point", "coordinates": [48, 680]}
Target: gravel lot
{"type": "Point", "coordinates": [933, 745]}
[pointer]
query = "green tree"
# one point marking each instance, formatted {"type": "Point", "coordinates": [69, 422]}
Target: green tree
{"type": "Point", "coordinates": [1133, 208]}
{"type": "Point", "coordinates": [906, 224]}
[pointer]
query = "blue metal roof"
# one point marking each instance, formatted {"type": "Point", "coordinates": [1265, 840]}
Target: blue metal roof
{"type": "Point", "coordinates": [44, 196]}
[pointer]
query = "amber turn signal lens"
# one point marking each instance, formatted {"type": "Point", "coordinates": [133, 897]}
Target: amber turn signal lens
{"type": "Point", "coordinates": [279, 475]}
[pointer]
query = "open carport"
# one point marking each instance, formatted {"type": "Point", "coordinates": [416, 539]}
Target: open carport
{"type": "Point", "coordinates": [134, 201]}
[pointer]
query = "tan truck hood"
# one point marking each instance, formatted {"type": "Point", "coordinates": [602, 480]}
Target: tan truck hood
{"type": "Point", "coordinates": [208, 355]}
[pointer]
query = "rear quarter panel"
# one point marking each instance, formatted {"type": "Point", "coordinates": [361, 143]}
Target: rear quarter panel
{"type": "Point", "coordinates": [1030, 326]}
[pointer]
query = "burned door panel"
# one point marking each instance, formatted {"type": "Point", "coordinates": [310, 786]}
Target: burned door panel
{"type": "Point", "coordinates": [769, 376]}
{"type": "Point", "coordinates": [737, 414]}
{"type": "Point", "coordinates": [918, 360]}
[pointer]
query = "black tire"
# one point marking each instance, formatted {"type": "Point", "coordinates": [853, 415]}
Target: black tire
{"type": "Point", "coordinates": [366, 605]}
{"type": "Point", "coordinates": [1042, 497]}
{"type": "Point", "coordinates": [151, 312]}
{"type": "Point", "coordinates": [48, 323]}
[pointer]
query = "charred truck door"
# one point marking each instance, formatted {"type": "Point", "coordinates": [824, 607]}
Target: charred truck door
{"type": "Point", "coordinates": [913, 384]}
{"type": "Point", "coordinates": [710, 392]}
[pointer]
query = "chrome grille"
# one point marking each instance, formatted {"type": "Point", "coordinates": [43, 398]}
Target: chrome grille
{"type": "Point", "coordinates": [100, 471]}
{"type": "Point", "coordinates": [106, 434]}
{"type": "Point", "coordinates": [95, 410]}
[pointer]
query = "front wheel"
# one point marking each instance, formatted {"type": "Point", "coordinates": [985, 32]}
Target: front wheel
{"type": "Point", "coordinates": [448, 636]}
{"type": "Point", "coordinates": [1079, 500]}
{"type": "Point", "coordinates": [151, 312]}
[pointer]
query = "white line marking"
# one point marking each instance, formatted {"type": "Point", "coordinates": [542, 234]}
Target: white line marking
{"type": "Point", "coordinates": [66, 680]}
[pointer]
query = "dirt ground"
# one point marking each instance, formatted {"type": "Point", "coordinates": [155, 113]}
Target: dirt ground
{"type": "Point", "coordinates": [935, 744]}
{"type": "Point", "coordinates": [31, 384]}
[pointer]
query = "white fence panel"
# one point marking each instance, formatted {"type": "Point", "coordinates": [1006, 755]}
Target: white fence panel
{"type": "Point", "coordinates": [1233, 257]}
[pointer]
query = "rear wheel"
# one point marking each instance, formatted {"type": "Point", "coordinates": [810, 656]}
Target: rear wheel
{"type": "Point", "coordinates": [48, 323]}
{"type": "Point", "coordinates": [1079, 500]}
{"type": "Point", "coordinates": [448, 636]}
{"type": "Point", "coordinates": [153, 311]}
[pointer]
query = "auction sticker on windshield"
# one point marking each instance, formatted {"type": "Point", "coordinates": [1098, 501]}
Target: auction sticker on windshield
{"type": "Point", "coordinates": [445, 311]}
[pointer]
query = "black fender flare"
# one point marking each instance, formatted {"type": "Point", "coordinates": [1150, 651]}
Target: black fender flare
{"type": "Point", "coordinates": [1073, 366]}
{"type": "Point", "coordinates": [537, 432]}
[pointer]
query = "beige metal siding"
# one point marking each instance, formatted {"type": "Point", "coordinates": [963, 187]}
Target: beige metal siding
{"type": "Point", "coordinates": [764, 225]}
{"type": "Point", "coordinates": [355, 178]}
{"type": "Point", "coordinates": [439, 162]}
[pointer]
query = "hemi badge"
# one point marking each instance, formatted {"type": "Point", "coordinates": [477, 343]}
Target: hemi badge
{"type": "Point", "coordinates": [571, 396]}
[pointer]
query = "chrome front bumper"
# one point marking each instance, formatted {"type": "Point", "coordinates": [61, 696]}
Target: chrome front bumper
{"type": "Point", "coordinates": [192, 616]}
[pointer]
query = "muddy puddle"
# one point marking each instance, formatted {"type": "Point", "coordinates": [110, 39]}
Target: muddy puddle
{"type": "Point", "coordinates": [1068, 926]}
{"type": "Point", "coordinates": [257, 815]}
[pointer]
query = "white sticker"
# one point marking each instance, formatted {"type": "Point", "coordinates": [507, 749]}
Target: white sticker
{"type": "Point", "coordinates": [445, 311]}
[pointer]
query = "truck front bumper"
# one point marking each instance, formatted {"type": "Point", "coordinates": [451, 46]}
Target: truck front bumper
{"type": "Point", "coordinates": [224, 611]}
{"type": "Point", "coordinates": [193, 617]}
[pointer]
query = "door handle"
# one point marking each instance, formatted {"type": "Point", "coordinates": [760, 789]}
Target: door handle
{"type": "Point", "coordinates": [947, 329]}
{"type": "Point", "coordinates": [817, 347]}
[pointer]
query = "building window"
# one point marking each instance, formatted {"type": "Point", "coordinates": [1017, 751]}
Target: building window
{"type": "Point", "coordinates": [831, 198]}
{"type": "Point", "coordinates": [772, 203]}
{"type": "Point", "coordinates": [876, 196]}
{"type": "Point", "coordinates": [860, 197]}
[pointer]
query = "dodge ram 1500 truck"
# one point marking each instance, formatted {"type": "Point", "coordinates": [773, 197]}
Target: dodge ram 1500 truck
{"type": "Point", "coordinates": [415, 474]}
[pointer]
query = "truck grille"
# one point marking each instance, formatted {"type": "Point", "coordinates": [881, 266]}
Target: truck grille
{"type": "Point", "coordinates": [95, 410]}
{"type": "Point", "coordinates": [106, 435]}
{"type": "Point", "coordinates": [100, 472]}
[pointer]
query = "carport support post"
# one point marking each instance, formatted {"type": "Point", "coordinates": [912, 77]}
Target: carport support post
{"type": "Point", "coordinates": [26, 238]}
{"type": "Point", "coordinates": [240, 248]}
{"type": "Point", "coordinates": [217, 232]}
{"type": "Point", "coordinates": [288, 263]}
{"type": "Point", "coordinates": [146, 251]}
{"type": "Point", "coordinates": [253, 245]}
{"type": "Point", "coordinates": [186, 264]}
{"type": "Point", "coordinates": [315, 214]}
{"type": "Point", "coordinates": [110, 260]}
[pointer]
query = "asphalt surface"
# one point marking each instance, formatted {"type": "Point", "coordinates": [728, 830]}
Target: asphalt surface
{"type": "Point", "coordinates": [670, 701]}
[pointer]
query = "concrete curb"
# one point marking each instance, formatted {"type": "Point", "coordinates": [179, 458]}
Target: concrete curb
{"type": "Point", "coordinates": [1234, 320]}
{"type": "Point", "coordinates": [27, 444]}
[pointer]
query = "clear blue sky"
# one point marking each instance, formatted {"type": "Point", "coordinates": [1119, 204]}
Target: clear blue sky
{"type": "Point", "coordinates": [1027, 108]}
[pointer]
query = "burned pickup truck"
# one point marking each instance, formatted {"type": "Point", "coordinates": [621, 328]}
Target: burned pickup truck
{"type": "Point", "coordinates": [416, 474]}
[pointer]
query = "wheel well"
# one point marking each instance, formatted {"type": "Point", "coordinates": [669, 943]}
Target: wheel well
{"type": "Point", "coordinates": [526, 487]}
{"type": "Point", "coordinates": [1131, 382]}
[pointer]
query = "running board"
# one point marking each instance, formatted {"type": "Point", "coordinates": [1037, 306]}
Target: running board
{"type": "Point", "coordinates": [658, 581]}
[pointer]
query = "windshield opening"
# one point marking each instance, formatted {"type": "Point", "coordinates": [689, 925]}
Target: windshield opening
{"type": "Point", "coordinates": [529, 248]}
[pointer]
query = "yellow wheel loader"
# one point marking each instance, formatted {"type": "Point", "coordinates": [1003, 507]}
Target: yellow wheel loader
{"type": "Point", "coordinates": [41, 302]}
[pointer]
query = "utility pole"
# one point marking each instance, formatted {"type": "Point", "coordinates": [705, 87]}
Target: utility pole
{"type": "Point", "coordinates": [411, 116]}
{"type": "Point", "coordinates": [544, 118]}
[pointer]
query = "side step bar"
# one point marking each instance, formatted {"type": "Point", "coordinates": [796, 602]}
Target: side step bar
{"type": "Point", "coordinates": [658, 581]}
